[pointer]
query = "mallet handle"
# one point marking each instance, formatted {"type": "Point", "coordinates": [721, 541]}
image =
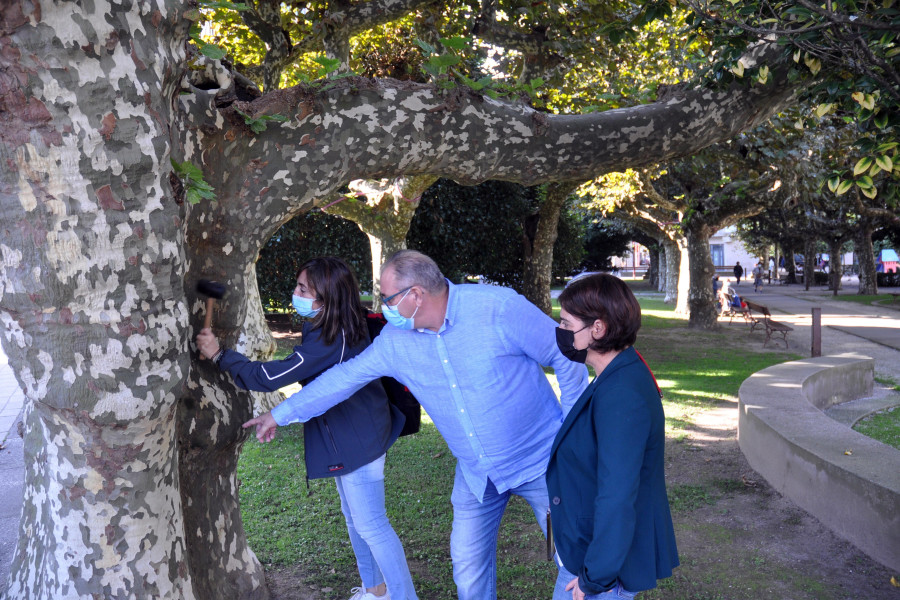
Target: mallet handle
{"type": "Point", "coordinates": [209, 308]}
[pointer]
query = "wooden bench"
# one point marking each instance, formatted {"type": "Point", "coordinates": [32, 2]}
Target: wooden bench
{"type": "Point", "coordinates": [731, 311]}
{"type": "Point", "coordinates": [772, 327]}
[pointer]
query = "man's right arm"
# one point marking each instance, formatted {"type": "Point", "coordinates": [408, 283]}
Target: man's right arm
{"type": "Point", "coordinates": [333, 386]}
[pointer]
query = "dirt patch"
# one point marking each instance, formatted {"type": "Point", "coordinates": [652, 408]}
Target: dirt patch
{"type": "Point", "coordinates": [737, 537]}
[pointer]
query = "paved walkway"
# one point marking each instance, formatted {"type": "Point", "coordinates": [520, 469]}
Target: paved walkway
{"type": "Point", "coordinates": [847, 327]}
{"type": "Point", "coordinates": [12, 466]}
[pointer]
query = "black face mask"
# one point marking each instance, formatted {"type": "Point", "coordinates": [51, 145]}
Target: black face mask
{"type": "Point", "coordinates": [565, 340]}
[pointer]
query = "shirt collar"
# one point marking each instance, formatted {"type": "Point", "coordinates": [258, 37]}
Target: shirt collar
{"type": "Point", "coordinates": [450, 316]}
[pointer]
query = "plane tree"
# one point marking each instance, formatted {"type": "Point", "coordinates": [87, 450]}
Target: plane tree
{"type": "Point", "coordinates": [135, 166]}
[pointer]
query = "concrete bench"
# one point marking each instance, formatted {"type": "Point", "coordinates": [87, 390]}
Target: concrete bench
{"type": "Point", "coordinates": [850, 482]}
{"type": "Point", "coordinates": [772, 327]}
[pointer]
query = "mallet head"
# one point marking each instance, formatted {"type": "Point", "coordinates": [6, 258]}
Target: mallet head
{"type": "Point", "coordinates": [213, 290]}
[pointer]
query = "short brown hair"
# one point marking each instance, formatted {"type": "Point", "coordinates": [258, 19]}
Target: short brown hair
{"type": "Point", "coordinates": [608, 298]}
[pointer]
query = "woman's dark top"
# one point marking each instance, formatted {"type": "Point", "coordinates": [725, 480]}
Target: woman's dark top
{"type": "Point", "coordinates": [350, 434]}
{"type": "Point", "coordinates": [608, 502]}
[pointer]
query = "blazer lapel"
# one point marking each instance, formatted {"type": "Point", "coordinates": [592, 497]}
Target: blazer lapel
{"type": "Point", "coordinates": [626, 357]}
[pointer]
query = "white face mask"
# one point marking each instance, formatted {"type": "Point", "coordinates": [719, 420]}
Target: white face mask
{"type": "Point", "coordinates": [393, 316]}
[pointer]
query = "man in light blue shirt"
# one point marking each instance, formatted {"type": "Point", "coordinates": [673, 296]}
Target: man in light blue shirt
{"type": "Point", "coordinates": [473, 356]}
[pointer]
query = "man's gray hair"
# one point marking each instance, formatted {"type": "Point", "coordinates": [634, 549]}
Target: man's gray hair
{"type": "Point", "coordinates": [411, 267]}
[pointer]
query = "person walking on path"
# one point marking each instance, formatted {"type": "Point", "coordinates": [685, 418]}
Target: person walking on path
{"type": "Point", "coordinates": [757, 278]}
{"type": "Point", "coordinates": [348, 441]}
{"type": "Point", "coordinates": [473, 356]}
{"type": "Point", "coordinates": [738, 273]}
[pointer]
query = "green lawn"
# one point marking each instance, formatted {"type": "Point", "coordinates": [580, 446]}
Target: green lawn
{"type": "Point", "coordinates": [878, 299]}
{"type": "Point", "coordinates": [291, 522]}
{"type": "Point", "coordinates": [883, 426]}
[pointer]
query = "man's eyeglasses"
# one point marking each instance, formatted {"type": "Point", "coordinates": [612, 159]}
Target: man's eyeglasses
{"type": "Point", "coordinates": [386, 300]}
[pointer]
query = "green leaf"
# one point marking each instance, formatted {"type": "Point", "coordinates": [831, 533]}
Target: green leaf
{"type": "Point", "coordinates": [881, 120]}
{"type": "Point", "coordinates": [862, 165]}
{"type": "Point", "coordinates": [212, 51]}
{"type": "Point", "coordinates": [864, 182]}
{"type": "Point", "coordinates": [329, 65]}
{"type": "Point", "coordinates": [885, 162]}
{"type": "Point", "coordinates": [843, 187]}
{"type": "Point", "coordinates": [869, 192]}
{"type": "Point", "coordinates": [239, 6]}
{"type": "Point", "coordinates": [444, 60]}
{"type": "Point", "coordinates": [457, 43]}
{"type": "Point", "coordinates": [195, 188]}
{"type": "Point", "coordinates": [426, 47]}
{"type": "Point", "coordinates": [475, 85]}
{"type": "Point", "coordinates": [833, 183]}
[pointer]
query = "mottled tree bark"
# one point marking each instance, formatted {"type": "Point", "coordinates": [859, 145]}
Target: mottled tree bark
{"type": "Point", "coordinates": [673, 265]}
{"type": "Point", "coordinates": [663, 267]}
{"type": "Point", "coordinates": [539, 252]}
{"type": "Point", "coordinates": [383, 211]}
{"type": "Point", "coordinates": [92, 305]}
{"type": "Point", "coordinates": [682, 306]}
{"type": "Point", "coordinates": [654, 265]}
{"type": "Point", "coordinates": [701, 299]}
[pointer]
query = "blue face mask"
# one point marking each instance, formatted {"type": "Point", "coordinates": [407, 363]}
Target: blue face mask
{"type": "Point", "coordinates": [304, 306]}
{"type": "Point", "coordinates": [393, 316]}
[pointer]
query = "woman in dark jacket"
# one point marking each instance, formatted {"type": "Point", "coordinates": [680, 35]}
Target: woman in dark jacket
{"type": "Point", "coordinates": [610, 513]}
{"type": "Point", "coordinates": [349, 441]}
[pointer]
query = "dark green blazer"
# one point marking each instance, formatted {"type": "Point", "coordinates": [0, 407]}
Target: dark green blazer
{"type": "Point", "coordinates": [610, 512]}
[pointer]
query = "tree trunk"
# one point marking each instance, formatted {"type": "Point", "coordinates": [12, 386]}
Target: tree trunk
{"type": "Point", "coordinates": [383, 211]}
{"type": "Point", "coordinates": [789, 264]}
{"type": "Point", "coordinates": [92, 297]}
{"type": "Point", "coordinates": [701, 299]}
{"type": "Point", "coordinates": [538, 270]}
{"type": "Point", "coordinates": [865, 255]}
{"type": "Point", "coordinates": [382, 246]}
{"type": "Point", "coordinates": [673, 268]}
{"type": "Point", "coordinates": [834, 264]}
{"type": "Point", "coordinates": [210, 437]}
{"type": "Point", "coordinates": [682, 306]}
{"type": "Point", "coordinates": [809, 262]}
{"type": "Point", "coordinates": [654, 266]}
{"type": "Point", "coordinates": [663, 267]}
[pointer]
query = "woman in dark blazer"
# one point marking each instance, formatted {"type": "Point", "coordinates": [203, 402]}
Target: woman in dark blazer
{"type": "Point", "coordinates": [610, 513]}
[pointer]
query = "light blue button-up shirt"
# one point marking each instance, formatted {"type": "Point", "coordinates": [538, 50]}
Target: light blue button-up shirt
{"type": "Point", "coordinates": [479, 378]}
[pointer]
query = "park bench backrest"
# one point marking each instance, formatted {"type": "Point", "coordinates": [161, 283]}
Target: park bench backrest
{"type": "Point", "coordinates": [763, 310]}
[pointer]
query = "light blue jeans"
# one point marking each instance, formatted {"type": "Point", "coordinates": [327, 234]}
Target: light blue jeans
{"type": "Point", "coordinates": [473, 541]}
{"type": "Point", "coordinates": [560, 593]}
{"type": "Point", "coordinates": [379, 553]}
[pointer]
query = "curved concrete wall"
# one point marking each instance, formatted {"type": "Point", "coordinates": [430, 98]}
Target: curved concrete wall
{"type": "Point", "coordinates": [850, 482]}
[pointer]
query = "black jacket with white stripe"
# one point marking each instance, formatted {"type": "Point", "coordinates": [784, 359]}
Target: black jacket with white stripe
{"type": "Point", "coordinates": [347, 436]}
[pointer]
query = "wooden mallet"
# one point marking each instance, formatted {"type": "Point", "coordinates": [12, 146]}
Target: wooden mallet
{"type": "Point", "coordinates": [213, 290]}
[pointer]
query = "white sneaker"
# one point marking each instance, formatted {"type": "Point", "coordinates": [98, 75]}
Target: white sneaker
{"type": "Point", "coordinates": [361, 594]}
